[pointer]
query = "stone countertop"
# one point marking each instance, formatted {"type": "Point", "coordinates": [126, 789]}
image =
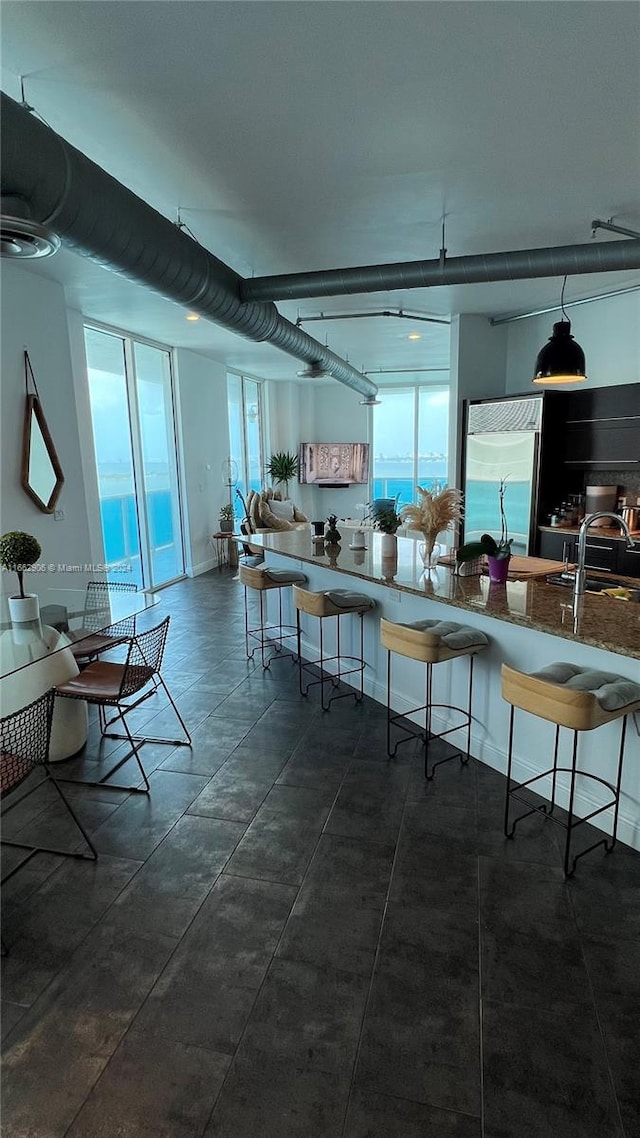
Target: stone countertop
{"type": "Point", "coordinates": [613, 533]}
{"type": "Point", "coordinates": [603, 622]}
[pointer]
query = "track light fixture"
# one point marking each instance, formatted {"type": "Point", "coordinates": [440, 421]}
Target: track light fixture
{"type": "Point", "coordinates": [561, 360]}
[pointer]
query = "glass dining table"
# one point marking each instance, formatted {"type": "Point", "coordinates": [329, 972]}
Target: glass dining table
{"type": "Point", "coordinates": [36, 655]}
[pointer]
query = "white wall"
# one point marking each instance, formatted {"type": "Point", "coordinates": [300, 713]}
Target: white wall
{"type": "Point", "coordinates": [338, 417]}
{"type": "Point", "coordinates": [201, 385]}
{"type": "Point", "coordinates": [34, 316]}
{"type": "Point", "coordinates": [607, 330]}
{"type": "Point", "coordinates": [478, 355]}
{"type": "Point", "coordinates": [327, 412]}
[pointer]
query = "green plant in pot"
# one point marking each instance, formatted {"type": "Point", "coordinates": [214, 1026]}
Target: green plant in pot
{"type": "Point", "coordinates": [18, 552]}
{"type": "Point", "coordinates": [226, 518]}
{"type": "Point", "coordinates": [282, 468]}
{"type": "Point", "coordinates": [387, 521]}
{"type": "Point", "coordinates": [497, 551]}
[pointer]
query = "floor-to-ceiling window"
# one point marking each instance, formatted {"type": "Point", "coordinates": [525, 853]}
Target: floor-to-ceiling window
{"type": "Point", "coordinates": [132, 413]}
{"type": "Point", "coordinates": [410, 432]}
{"type": "Point", "coordinates": [245, 431]}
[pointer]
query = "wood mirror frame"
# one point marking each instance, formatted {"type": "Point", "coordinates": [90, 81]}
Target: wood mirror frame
{"type": "Point", "coordinates": [41, 475]}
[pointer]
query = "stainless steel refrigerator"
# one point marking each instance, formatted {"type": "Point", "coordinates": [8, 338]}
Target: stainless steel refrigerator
{"type": "Point", "coordinates": [503, 441]}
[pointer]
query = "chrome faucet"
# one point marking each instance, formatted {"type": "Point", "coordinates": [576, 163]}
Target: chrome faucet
{"type": "Point", "coordinates": [581, 572]}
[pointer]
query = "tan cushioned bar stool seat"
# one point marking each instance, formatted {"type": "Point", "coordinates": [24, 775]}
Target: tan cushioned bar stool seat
{"type": "Point", "coordinates": [264, 577]}
{"type": "Point", "coordinates": [431, 641]}
{"type": "Point", "coordinates": [574, 697]}
{"type": "Point", "coordinates": [333, 602]}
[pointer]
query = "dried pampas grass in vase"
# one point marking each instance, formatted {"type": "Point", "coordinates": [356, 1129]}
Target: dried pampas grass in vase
{"type": "Point", "coordinates": [433, 514]}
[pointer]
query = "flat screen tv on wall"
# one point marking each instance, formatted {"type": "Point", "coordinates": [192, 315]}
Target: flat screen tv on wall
{"type": "Point", "coordinates": [334, 464]}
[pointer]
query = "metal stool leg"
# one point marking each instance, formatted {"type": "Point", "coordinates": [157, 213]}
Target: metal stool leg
{"type": "Point", "coordinates": [463, 756]}
{"type": "Point", "coordinates": [549, 809]}
{"type": "Point", "coordinates": [614, 836]}
{"type": "Point", "coordinates": [303, 691]}
{"type": "Point", "coordinates": [570, 823]}
{"type": "Point", "coordinates": [507, 801]}
{"type": "Point", "coordinates": [359, 698]}
{"type": "Point", "coordinates": [246, 625]}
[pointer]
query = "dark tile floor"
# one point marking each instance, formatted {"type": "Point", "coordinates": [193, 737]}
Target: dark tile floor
{"type": "Point", "coordinates": [293, 937]}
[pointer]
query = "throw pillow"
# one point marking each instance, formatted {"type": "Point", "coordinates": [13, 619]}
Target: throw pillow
{"type": "Point", "coordinates": [282, 510]}
{"type": "Point", "coordinates": [269, 520]}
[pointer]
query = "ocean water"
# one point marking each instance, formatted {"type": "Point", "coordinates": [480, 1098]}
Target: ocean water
{"type": "Point", "coordinates": [120, 534]}
{"type": "Point", "coordinates": [482, 512]}
{"type": "Point", "coordinates": [395, 477]}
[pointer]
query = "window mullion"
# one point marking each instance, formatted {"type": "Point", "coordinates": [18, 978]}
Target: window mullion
{"type": "Point", "coordinates": [138, 461]}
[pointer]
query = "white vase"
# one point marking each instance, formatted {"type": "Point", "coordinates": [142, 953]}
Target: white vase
{"type": "Point", "coordinates": [22, 609]}
{"type": "Point", "coordinates": [388, 544]}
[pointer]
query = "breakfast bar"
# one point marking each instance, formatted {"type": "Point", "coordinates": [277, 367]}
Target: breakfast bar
{"type": "Point", "coordinates": [529, 623]}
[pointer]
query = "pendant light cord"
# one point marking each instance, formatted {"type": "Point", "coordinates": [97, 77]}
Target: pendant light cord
{"type": "Point", "coordinates": [562, 301]}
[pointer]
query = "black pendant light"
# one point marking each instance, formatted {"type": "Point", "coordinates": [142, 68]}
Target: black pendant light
{"type": "Point", "coordinates": [561, 360]}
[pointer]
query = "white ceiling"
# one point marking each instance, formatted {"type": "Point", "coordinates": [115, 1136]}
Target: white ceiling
{"type": "Point", "coordinates": [298, 136]}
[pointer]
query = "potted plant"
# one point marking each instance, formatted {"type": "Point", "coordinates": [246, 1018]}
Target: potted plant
{"type": "Point", "coordinates": [387, 522]}
{"type": "Point", "coordinates": [226, 518]}
{"type": "Point", "coordinates": [282, 467]}
{"type": "Point", "coordinates": [18, 551]}
{"type": "Point", "coordinates": [498, 552]}
{"type": "Point", "coordinates": [433, 514]}
{"type": "Point", "coordinates": [332, 534]}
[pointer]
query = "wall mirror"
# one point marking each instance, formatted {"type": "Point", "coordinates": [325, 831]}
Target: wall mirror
{"type": "Point", "coordinates": [42, 476]}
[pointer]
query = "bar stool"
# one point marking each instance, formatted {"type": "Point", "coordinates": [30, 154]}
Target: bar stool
{"type": "Point", "coordinates": [338, 603]}
{"type": "Point", "coordinates": [431, 642]}
{"type": "Point", "coordinates": [263, 578]}
{"type": "Point", "coordinates": [579, 699]}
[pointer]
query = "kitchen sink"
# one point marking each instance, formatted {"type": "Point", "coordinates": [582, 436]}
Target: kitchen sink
{"type": "Point", "coordinates": [598, 585]}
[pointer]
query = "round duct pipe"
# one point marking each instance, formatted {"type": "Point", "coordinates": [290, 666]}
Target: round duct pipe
{"type": "Point", "coordinates": [20, 236]}
{"type": "Point", "coordinates": [519, 264]}
{"type": "Point", "coordinates": [97, 216]}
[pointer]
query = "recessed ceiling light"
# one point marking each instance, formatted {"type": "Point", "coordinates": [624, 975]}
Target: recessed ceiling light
{"type": "Point", "coordinates": [193, 316]}
{"type": "Point", "coordinates": [415, 336]}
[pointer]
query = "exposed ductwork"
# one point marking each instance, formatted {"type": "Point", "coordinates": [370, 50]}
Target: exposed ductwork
{"type": "Point", "coordinates": [93, 214]}
{"type": "Point", "coordinates": [20, 236]}
{"type": "Point", "coordinates": [522, 264]}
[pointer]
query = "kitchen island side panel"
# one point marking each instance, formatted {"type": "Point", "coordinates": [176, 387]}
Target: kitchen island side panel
{"type": "Point", "coordinates": [525, 648]}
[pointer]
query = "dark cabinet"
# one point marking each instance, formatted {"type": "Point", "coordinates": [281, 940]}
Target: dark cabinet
{"type": "Point", "coordinates": [629, 560]}
{"type": "Point", "coordinates": [601, 553]}
{"type": "Point", "coordinates": [606, 554]}
{"type": "Point", "coordinates": [557, 546]}
{"type": "Point", "coordinates": [603, 429]}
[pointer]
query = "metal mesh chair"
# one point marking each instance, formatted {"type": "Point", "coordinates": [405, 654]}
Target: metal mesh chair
{"type": "Point", "coordinates": [94, 638]}
{"type": "Point", "coordinates": [24, 747]}
{"type": "Point", "coordinates": [113, 685]}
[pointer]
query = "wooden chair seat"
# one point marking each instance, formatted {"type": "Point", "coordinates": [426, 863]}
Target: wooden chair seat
{"type": "Point", "coordinates": [571, 696]}
{"type": "Point", "coordinates": [333, 602]}
{"type": "Point", "coordinates": [432, 641]}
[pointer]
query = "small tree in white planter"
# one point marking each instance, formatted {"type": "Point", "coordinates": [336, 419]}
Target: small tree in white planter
{"type": "Point", "coordinates": [18, 552]}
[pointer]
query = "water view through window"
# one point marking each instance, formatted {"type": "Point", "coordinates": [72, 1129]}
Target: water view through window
{"type": "Point", "coordinates": [410, 442]}
{"type": "Point", "coordinates": [131, 400]}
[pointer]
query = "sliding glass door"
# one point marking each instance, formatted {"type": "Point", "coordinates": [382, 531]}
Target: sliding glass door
{"type": "Point", "coordinates": [131, 396]}
{"type": "Point", "coordinates": [244, 400]}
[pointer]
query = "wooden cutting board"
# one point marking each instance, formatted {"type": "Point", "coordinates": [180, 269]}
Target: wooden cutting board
{"type": "Point", "coordinates": [524, 568]}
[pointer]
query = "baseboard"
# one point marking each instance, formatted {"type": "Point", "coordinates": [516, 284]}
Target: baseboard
{"type": "Point", "coordinates": [202, 567]}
